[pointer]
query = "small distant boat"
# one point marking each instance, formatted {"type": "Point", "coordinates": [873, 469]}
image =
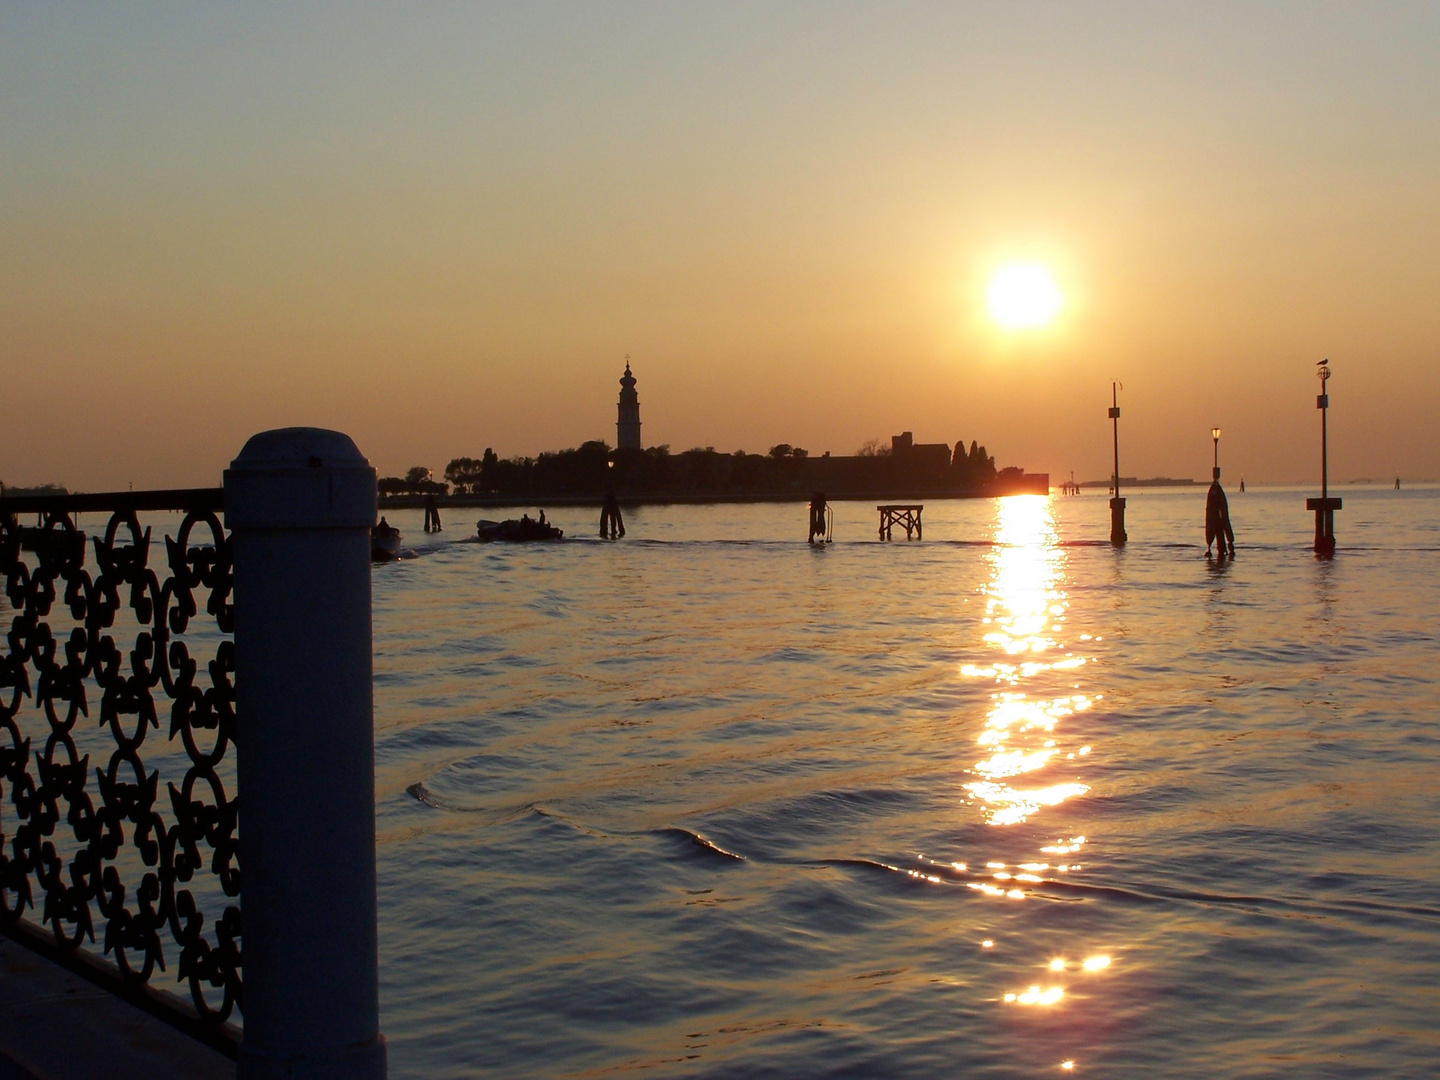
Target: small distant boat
{"type": "Point", "coordinates": [513, 531]}
{"type": "Point", "coordinates": [384, 542]}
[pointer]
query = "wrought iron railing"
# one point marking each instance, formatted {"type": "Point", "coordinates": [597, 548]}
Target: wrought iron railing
{"type": "Point", "coordinates": [118, 811]}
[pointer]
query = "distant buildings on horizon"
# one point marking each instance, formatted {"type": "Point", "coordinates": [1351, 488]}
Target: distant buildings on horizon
{"type": "Point", "coordinates": [903, 467]}
{"type": "Point", "coordinates": [927, 457]}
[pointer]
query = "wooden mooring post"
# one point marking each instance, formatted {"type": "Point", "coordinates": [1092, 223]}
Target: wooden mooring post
{"type": "Point", "coordinates": [612, 525]}
{"type": "Point", "coordinates": [906, 515]}
{"type": "Point", "coordinates": [821, 520]}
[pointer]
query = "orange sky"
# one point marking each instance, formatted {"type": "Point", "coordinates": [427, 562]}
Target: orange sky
{"type": "Point", "coordinates": [442, 229]}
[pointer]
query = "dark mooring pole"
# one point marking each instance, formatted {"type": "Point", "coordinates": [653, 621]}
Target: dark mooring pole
{"type": "Point", "coordinates": [1117, 504]}
{"type": "Point", "coordinates": [1324, 506]}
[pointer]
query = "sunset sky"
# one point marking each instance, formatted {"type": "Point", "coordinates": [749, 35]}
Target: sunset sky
{"type": "Point", "coordinates": [442, 228]}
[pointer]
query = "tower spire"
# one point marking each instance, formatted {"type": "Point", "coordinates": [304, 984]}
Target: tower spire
{"type": "Point", "coordinates": [627, 425]}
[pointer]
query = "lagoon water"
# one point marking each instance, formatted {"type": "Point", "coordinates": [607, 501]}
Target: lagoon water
{"type": "Point", "coordinates": [709, 803]}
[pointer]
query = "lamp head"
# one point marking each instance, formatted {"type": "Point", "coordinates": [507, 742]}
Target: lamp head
{"type": "Point", "coordinates": [1215, 433]}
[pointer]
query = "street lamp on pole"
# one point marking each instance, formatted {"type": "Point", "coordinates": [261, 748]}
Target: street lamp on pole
{"type": "Point", "coordinates": [1215, 434]}
{"type": "Point", "coordinates": [1118, 536]}
{"type": "Point", "coordinates": [1324, 506]}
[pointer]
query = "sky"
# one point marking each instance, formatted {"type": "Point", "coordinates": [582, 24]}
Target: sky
{"type": "Point", "coordinates": [443, 227]}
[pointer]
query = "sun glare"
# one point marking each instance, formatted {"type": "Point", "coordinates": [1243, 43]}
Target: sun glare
{"type": "Point", "coordinates": [1023, 296]}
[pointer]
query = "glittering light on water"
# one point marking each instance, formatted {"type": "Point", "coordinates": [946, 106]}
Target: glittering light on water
{"type": "Point", "coordinates": [1022, 714]}
{"type": "Point", "coordinates": [1096, 963]}
{"type": "Point", "coordinates": [1036, 996]}
{"type": "Point", "coordinates": [994, 890]}
{"type": "Point", "coordinates": [1012, 763]}
{"type": "Point", "coordinates": [1011, 806]}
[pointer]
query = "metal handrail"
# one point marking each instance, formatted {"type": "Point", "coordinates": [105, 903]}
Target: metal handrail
{"type": "Point", "coordinates": [195, 500]}
{"type": "Point", "coordinates": [69, 816]}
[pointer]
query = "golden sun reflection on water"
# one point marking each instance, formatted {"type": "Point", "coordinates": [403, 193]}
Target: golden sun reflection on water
{"type": "Point", "coordinates": [1027, 762]}
{"type": "Point", "coordinates": [1025, 607]}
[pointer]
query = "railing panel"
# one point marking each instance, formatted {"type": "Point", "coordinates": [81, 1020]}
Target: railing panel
{"type": "Point", "coordinates": [118, 815]}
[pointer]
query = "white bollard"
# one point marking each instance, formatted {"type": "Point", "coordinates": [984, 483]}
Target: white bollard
{"type": "Point", "coordinates": [299, 503]}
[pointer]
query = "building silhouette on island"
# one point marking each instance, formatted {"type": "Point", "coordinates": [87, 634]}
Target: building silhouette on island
{"type": "Point", "coordinates": [904, 469]}
{"type": "Point", "coordinates": [627, 426]}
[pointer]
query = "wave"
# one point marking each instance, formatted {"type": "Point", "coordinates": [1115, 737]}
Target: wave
{"type": "Point", "coordinates": [694, 839]}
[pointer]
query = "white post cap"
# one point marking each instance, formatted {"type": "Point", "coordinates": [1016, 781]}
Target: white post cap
{"type": "Point", "coordinates": [300, 478]}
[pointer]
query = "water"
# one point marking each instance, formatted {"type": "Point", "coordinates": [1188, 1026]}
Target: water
{"type": "Point", "coordinates": [708, 803]}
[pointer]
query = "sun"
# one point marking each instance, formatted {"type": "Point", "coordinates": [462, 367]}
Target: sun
{"type": "Point", "coordinates": [1023, 296]}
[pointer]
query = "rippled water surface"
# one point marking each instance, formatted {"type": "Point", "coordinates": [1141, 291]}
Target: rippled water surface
{"type": "Point", "coordinates": [1005, 802]}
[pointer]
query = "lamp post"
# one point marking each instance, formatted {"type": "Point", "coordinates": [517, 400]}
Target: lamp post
{"type": "Point", "coordinates": [1117, 504]}
{"type": "Point", "coordinates": [1324, 506]}
{"type": "Point", "coordinates": [1215, 472]}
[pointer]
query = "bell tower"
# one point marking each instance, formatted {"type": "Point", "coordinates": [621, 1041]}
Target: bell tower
{"type": "Point", "coordinates": [627, 427]}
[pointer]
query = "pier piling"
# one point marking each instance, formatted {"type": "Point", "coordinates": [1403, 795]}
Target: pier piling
{"type": "Point", "coordinates": [820, 519]}
{"type": "Point", "coordinates": [612, 526]}
{"type": "Point", "coordinates": [906, 515]}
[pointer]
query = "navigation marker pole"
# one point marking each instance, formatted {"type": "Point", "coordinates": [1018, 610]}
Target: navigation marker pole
{"type": "Point", "coordinates": [1324, 506]}
{"type": "Point", "coordinates": [1117, 504]}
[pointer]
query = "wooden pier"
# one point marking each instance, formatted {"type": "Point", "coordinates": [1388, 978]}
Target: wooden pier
{"type": "Point", "coordinates": [906, 515]}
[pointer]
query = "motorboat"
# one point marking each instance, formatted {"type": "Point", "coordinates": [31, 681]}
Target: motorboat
{"type": "Point", "coordinates": [384, 542]}
{"type": "Point", "coordinates": [513, 531]}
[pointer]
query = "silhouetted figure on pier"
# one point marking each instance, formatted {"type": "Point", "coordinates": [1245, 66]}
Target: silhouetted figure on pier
{"type": "Point", "coordinates": [612, 526]}
{"type": "Point", "coordinates": [1217, 520]}
{"type": "Point", "coordinates": [1397, 483]}
{"type": "Point", "coordinates": [432, 515]}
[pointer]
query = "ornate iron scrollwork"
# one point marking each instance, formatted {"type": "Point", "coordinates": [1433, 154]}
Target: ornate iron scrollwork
{"type": "Point", "coordinates": [73, 825]}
